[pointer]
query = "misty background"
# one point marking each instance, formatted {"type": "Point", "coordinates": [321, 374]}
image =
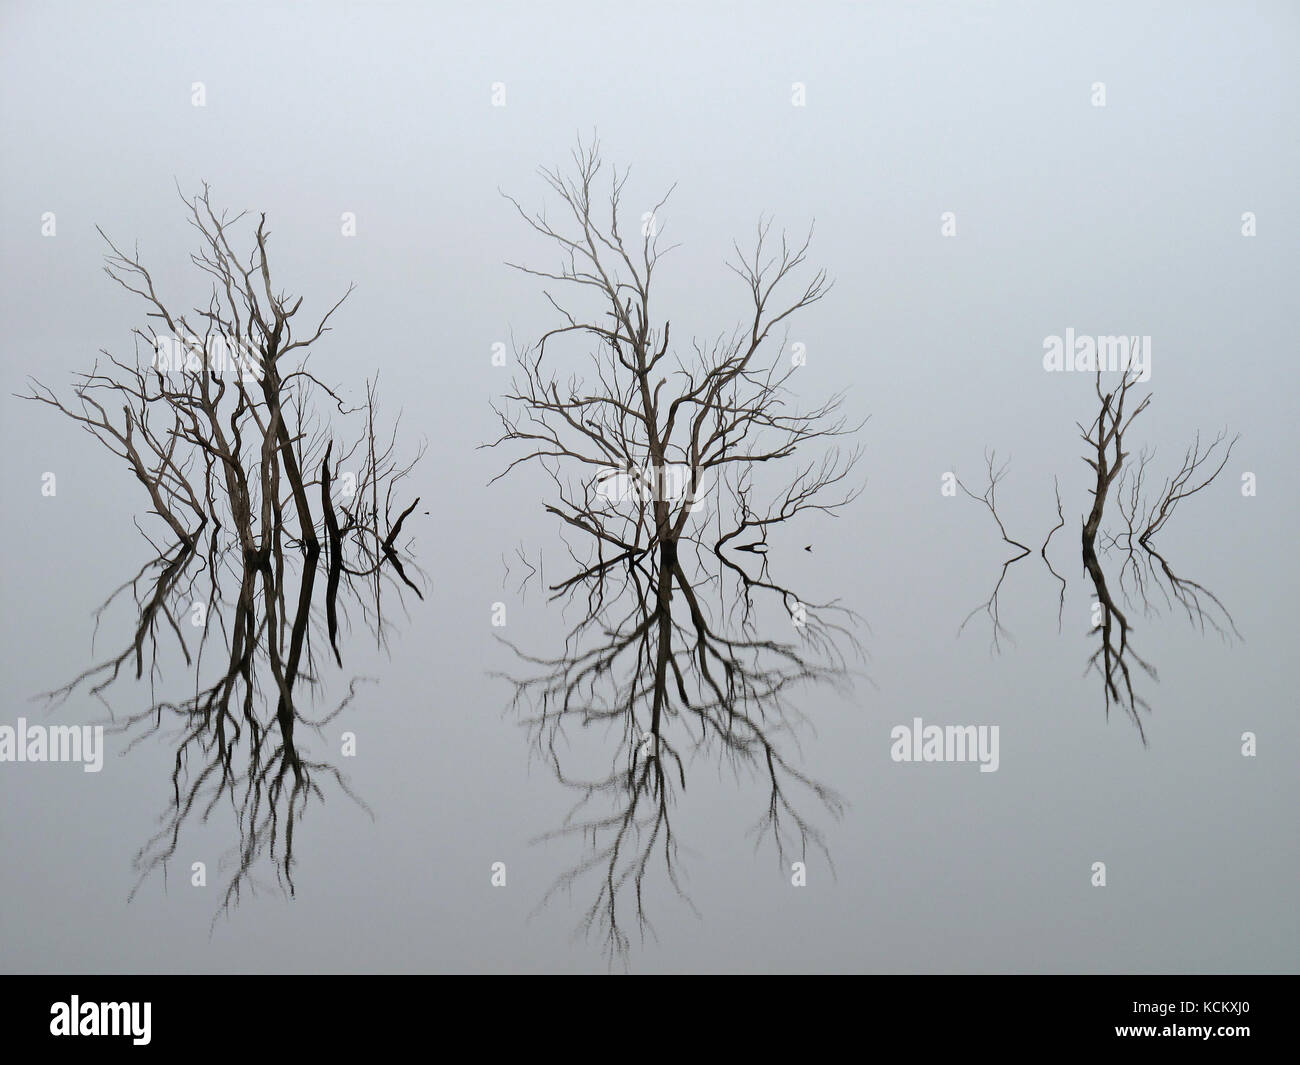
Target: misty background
{"type": "Point", "coordinates": [1117, 219]}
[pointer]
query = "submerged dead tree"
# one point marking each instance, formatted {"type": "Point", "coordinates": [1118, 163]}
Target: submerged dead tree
{"type": "Point", "coordinates": [1105, 439]}
{"type": "Point", "coordinates": [991, 607]}
{"type": "Point", "coordinates": [1145, 576]}
{"type": "Point", "coordinates": [270, 533]}
{"type": "Point", "coordinates": [1143, 571]}
{"type": "Point", "coordinates": [689, 643]}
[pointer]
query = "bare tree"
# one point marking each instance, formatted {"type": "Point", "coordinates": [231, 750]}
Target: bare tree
{"type": "Point", "coordinates": [989, 498]}
{"type": "Point", "coordinates": [655, 459]}
{"type": "Point", "coordinates": [991, 607]}
{"type": "Point", "coordinates": [254, 504]}
{"type": "Point", "coordinates": [1144, 572]}
{"type": "Point", "coordinates": [1106, 455]}
{"type": "Point", "coordinates": [1144, 566]}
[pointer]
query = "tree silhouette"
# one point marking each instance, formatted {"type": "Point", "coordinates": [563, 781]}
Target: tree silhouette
{"type": "Point", "coordinates": [262, 525]}
{"type": "Point", "coordinates": [669, 473]}
{"type": "Point", "coordinates": [1145, 576]}
{"type": "Point", "coordinates": [1143, 570]}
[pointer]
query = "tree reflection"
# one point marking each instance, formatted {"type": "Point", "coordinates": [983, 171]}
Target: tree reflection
{"type": "Point", "coordinates": [269, 537]}
{"type": "Point", "coordinates": [1145, 579]}
{"type": "Point", "coordinates": [658, 463]}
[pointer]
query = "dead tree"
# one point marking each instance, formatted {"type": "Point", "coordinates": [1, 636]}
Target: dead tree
{"type": "Point", "coordinates": [1143, 570]}
{"type": "Point", "coordinates": [1106, 455]}
{"type": "Point", "coordinates": [263, 525]}
{"type": "Point", "coordinates": [658, 465]}
{"type": "Point", "coordinates": [991, 607]}
{"type": "Point", "coordinates": [989, 498]}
